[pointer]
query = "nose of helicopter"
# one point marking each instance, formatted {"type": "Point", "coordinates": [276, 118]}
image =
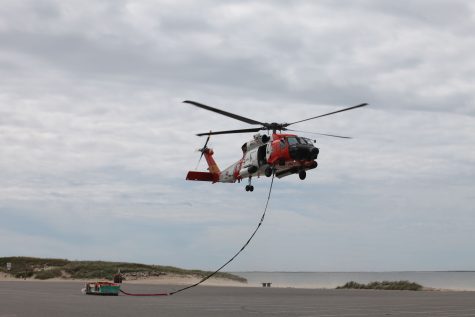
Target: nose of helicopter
{"type": "Point", "coordinates": [302, 152]}
{"type": "Point", "coordinates": [314, 153]}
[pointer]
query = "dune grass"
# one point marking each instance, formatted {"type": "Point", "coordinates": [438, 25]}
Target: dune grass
{"type": "Point", "coordinates": [40, 268]}
{"type": "Point", "coordinates": [384, 285]}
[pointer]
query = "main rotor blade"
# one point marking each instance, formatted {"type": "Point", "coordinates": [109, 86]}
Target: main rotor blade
{"type": "Point", "coordinates": [224, 113]}
{"type": "Point", "coordinates": [332, 135]}
{"type": "Point", "coordinates": [327, 114]}
{"type": "Point", "coordinates": [231, 131]}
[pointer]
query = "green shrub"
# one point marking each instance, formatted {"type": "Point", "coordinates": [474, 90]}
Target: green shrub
{"type": "Point", "coordinates": [26, 266]}
{"type": "Point", "coordinates": [352, 285]}
{"type": "Point", "coordinates": [47, 274]}
{"type": "Point", "coordinates": [24, 274]}
{"type": "Point", "coordinates": [384, 285]}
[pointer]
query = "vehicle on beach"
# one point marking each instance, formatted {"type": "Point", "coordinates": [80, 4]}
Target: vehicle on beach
{"type": "Point", "coordinates": [102, 288]}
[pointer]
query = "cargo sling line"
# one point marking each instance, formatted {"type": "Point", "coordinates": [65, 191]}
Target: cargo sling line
{"type": "Point", "coordinates": [225, 264]}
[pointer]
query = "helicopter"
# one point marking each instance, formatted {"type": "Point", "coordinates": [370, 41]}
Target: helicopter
{"type": "Point", "coordinates": [281, 154]}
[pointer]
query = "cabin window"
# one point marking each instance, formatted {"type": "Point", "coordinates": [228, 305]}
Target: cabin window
{"type": "Point", "coordinates": [282, 143]}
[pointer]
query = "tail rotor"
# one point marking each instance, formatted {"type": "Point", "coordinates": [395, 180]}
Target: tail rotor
{"type": "Point", "coordinates": [203, 149]}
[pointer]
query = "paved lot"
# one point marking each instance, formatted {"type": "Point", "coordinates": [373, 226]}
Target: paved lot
{"type": "Point", "coordinates": [52, 299]}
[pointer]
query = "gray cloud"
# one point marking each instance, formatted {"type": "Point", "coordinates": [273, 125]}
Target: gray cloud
{"type": "Point", "coordinates": [92, 128]}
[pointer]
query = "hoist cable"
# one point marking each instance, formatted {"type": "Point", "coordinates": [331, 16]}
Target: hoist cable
{"type": "Point", "coordinates": [225, 264]}
{"type": "Point", "coordinates": [242, 249]}
{"type": "Point", "coordinates": [133, 294]}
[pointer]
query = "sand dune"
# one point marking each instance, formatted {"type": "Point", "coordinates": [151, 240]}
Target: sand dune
{"type": "Point", "coordinates": [168, 279]}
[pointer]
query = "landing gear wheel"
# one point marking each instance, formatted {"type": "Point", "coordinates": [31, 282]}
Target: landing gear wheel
{"type": "Point", "coordinates": [249, 187]}
{"type": "Point", "coordinates": [302, 174]}
{"type": "Point", "coordinates": [268, 171]}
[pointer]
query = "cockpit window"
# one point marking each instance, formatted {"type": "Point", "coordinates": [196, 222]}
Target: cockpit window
{"type": "Point", "coordinates": [292, 140]}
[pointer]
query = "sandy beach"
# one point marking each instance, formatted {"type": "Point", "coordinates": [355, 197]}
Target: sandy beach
{"type": "Point", "coordinates": [64, 298]}
{"type": "Point", "coordinates": [166, 279]}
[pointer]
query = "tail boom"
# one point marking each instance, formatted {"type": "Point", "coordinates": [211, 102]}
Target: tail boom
{"type": "Point", "coordinates": [214, 171]}
{"type": "Point", "coordinates": [202, 176]}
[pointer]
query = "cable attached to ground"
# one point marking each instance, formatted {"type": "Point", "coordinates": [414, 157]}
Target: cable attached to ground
{"type": "Point", "coordinates": [225, 264]}
{"type": "Point", "coordinates": [133, 294]}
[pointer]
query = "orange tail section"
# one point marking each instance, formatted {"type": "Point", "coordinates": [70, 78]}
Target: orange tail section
{"type": "Point", "coordinates": [212, 166]}
{"type": "Point", "coordinates": [199, 176]}
{"type": "Point", "coordinates": [212, 175]}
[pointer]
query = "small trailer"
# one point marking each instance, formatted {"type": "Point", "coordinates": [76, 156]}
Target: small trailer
{"type": "Point", "coordinates": [102, 288]}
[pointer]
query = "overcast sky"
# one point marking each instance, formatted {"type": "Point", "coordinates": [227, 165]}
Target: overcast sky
{"type": "Point", "coordinates": [95, 142]}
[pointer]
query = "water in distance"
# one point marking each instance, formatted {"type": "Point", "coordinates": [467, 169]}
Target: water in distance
{"type": "Point", "coordinates": [437, 280]}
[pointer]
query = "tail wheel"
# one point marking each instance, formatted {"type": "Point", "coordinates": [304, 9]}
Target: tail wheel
{"type": "Point", "coordinates": [302, 174]}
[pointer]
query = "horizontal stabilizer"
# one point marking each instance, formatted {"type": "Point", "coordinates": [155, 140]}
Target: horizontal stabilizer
{"type": "Point", "coordinates": [200, 176]}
